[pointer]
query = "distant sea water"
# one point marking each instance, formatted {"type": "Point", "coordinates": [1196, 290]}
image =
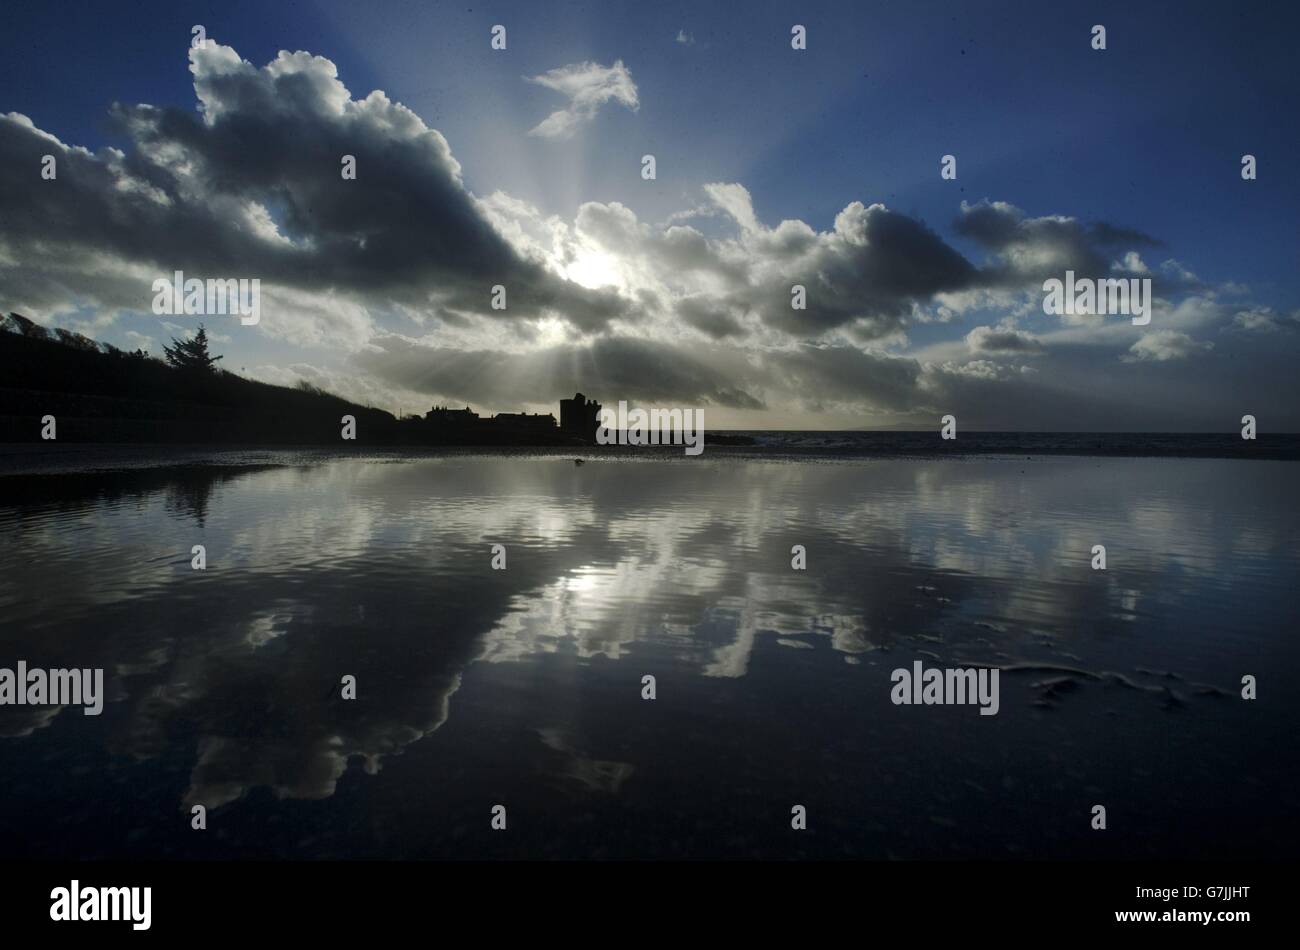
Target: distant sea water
{"type": "Point", "coordinates": [524, 686]}
{"type": "Point", "coordinates": [1134, 444]}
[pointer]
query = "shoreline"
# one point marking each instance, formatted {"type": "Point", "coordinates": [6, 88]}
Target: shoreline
{"type": "Point", "coordinates": [19, 459]}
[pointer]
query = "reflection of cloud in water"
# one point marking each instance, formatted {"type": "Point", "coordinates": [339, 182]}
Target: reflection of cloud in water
{"type": "Point", "coordinates": [381, 571]}
{"type": "Point", "coordinates": [586, 774]}
{"type": "Point", "coordinates": [305, 763]}
{"type": "Point", "coordinates": [21, 721]}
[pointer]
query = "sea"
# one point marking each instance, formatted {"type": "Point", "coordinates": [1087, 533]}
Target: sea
{"type": "Point", "coordinates": [632, 653]}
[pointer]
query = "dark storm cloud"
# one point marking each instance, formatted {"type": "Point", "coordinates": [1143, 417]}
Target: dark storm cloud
{"type": "Point", "coordinates": [991, 340]}
{"type": "Point", "coordinates": [1028, 250]}
{"type": "Point", "coordinates": [253, 186]}
{"type": "Point", "coordinates": [883, 262]}
{"type": "Point", "coordinates": [709, 317]}
{"type": "Point", "coordinates": [870, 271]}
{"type": "Point", "coordinates": [845, 374]}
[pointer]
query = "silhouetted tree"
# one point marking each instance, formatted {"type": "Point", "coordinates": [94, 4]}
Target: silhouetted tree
{"type": "Point", "coordinates": [192, 353]}
{"type": "Point", "coordinates": [117, 354]}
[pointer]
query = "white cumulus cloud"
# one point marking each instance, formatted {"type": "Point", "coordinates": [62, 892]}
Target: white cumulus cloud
{"type": "Point", "coordinates": [588, 86]}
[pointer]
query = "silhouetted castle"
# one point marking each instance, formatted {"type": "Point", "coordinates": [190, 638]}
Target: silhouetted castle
{"type": "Point", "coordinates": [580, 417]}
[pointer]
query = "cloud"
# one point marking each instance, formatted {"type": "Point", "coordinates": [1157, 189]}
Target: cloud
{"type": "Point", "coordinates": [1028, 250]}
{"type": "Point", "coordinates": [588, 86]}
{"type": "Point", "coordinates": [867, 273]}
{"type": "Point", "coordinates": [1175, 271]}
{"type": "Point", "coordinates": [708, 317]}
{"type": "Point", "coordinates": [251, 187]}
{"type": "Point", "coordinates": [866, 276]}
{"type": "Point", "coordinates": [1257, 319]}
{"type": "Point", "coordinates": [1163, 345]}
{"type": "Point", "coordinates": [990, 340]}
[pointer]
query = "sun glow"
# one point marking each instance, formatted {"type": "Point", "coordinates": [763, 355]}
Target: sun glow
{"type": "Point", "coordinates": [594, 269]}
{"type": "Point", "coordinates": [552, 331]}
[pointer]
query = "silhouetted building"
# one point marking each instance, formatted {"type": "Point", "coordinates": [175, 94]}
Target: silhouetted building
{"type": "Point", "coordinates": [580, 417]}
{"type": "Point", "coordinates": [452, 418]}
{"type": "Point", "coordinates": [524, 422]}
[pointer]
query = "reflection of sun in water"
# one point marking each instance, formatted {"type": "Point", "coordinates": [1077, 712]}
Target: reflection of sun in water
{"type": "Point", "coordinates": [582, 581]}
{"type": "Point", "coordinates": [593, 269]}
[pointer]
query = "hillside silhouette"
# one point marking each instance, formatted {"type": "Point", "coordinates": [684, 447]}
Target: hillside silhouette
{"type": "Point", "coordinates": [99, 393]}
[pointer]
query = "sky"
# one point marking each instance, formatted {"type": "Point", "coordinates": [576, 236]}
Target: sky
{"type": "Point", "coordinates": [820, 167]}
